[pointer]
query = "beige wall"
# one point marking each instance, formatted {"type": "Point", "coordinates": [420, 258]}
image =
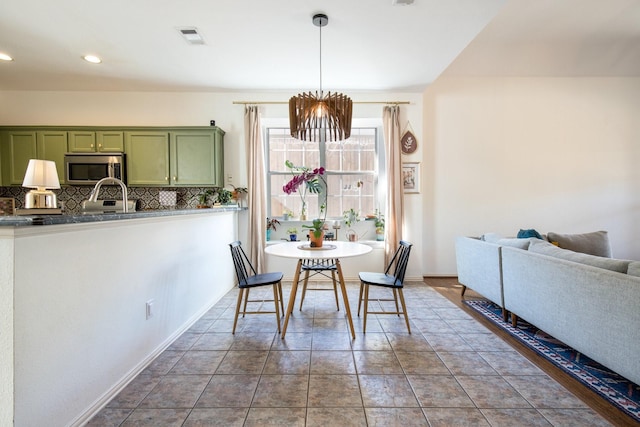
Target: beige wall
{"type": "Point", "coordinates": [554, 154]}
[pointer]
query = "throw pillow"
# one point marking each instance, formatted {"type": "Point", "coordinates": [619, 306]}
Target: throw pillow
{"type": "Point", "coordinates": [596, 243]}
{"type": "Point", "coordinates": [545, 248]}
{"type": "Point", "coordinates": [524, 234]}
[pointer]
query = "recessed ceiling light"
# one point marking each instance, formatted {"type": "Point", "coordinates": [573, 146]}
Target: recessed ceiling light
{"type": "Point", "coordinates": [92, 58]}
{"type": "Point", "coordinates": [401, 2]}
{"type": "Point", "coordinates": [5, 57]}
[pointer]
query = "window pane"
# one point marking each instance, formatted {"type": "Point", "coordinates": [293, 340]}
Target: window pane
{"type": "Point", "coordinates": [351, 172]}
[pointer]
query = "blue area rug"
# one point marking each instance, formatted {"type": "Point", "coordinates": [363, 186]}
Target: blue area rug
{"type": "Point", "coordinates": [621, 392]}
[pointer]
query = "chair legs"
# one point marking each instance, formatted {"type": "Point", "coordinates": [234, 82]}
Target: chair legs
{"type": "Point", "coordinates": [397, 294]}
{"type": "Point", "coordinates": [243, 294]}
{"type": "Point", "coordinates": [306, 281]}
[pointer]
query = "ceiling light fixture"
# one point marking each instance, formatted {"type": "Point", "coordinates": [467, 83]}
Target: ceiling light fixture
{"type": "Point", "coordinates": [5, 57]}
{"type": "Point", "coordinates": [92, 58]}
{"type": "Point", "coordinates": [315, 116]}
{"type": "Point", "coordinates": [191, 35]}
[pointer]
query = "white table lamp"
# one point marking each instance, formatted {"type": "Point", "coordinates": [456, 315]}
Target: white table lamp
{"type": "Point", "coordinates": [41, 175]}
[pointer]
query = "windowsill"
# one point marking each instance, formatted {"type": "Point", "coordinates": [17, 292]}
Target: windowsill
{"type": "Point", "coordinates": [375, 244]}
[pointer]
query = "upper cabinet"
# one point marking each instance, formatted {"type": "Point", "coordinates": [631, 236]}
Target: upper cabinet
{"type": "Point", "coordinates": [197, 158]}
{"type": "Point", "coordinates": [155, 156]}
{"type": "Point", "coordinates": [17, 147]}
{"type": "Point", "coordinates": [88, 141]}
{"type": "Point", "coordinates": [147, 158]}
{"type": "Point", "coordinates": [184, 157]}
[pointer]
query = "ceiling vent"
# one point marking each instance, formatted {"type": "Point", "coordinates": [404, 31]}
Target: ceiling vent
{"type": "Point", "coordinates": [191, 35]}
{"type": "Point", "coordinates": [401, 2]}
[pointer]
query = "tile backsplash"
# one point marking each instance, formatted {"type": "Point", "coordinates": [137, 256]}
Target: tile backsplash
{"type": "Point", "coordinates": [147, 197]}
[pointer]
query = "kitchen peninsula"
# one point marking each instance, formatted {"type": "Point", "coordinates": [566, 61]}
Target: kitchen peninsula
{"type": "Point", "coordinates": [88, 301]}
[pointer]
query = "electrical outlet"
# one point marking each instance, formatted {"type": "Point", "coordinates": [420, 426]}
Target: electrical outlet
{"type": "Point", "coordinates": [229, 178]}
{"type": "Point", "coordinates": [149, 309]}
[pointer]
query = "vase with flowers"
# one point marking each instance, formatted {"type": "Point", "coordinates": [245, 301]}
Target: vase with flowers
{"type": "Point", "coordinates": [312, 180]}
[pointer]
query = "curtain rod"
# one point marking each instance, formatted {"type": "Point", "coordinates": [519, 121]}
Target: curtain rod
{"type": "Point", "coordinates": [355, 102]}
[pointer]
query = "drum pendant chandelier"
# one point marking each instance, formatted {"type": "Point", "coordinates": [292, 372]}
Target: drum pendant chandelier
{"type": "Point", "coordinates": [313, 115]}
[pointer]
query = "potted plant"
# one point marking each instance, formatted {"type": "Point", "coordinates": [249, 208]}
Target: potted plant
{"type": "Point", "coordinates": [203, 198]}
{"type": "Point", "coordinates": [350, 217]}
{"type": "Point", "coordinates": [224, 195]}
{"type": "Point", "coordinates": [316, 234]}
{"type": "Point", "coordinates": [238, 192]}
{"type": "Point", "coordinates": [379, 224]}
{"type": "Point", "coordinates": [271, 225]}
{"type": "Point", "coordinates": [293, 233]}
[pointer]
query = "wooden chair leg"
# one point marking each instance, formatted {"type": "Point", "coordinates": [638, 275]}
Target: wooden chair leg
{"type": "Point", "coordinates": [281, 298]}
{"type": "Point", "coordinates": [366, 305]}
{"type": "Point", "coordinates": [304, 287]}
{"type": "Point", "coordinates": [275, 301]}
{"type": "Point", "coordinates": [246, 300]}
{"type": "Point", "coordinates": [360, 298]}
{"type": "Point", "coordinates": [235, 318]}
{"type": "Point", "coordinates": [404, 310]}
{"type": "Point", "coordinates": [335, 289]}
{"type": "Point", "coordinates": [395, 299]}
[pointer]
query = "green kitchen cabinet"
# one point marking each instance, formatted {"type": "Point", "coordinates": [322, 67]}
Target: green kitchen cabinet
{"type": "Point", "coordinates": [19, 146]}
{"type": "Point", "coordinates": [196, 158]}
{"type": "Point", "coordinates": [179, 157]}
{"type": "Point", "coordinates": [147, 158]}
{"type": "Point", "coordinates": [90, 141]}
{"type": "Point", "coordinates": [51, 145]}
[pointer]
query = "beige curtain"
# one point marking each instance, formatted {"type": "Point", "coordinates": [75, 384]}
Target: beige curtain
{"type": "Point", "coordinates": [257, 191]}
{"type": "Point", "coordinates": [395, 189]}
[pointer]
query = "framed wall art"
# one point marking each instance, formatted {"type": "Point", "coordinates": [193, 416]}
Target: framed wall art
{"type": "Point", "coordinates": [7, 206]}
{"type": "Point", "coordinates": [411, 177]}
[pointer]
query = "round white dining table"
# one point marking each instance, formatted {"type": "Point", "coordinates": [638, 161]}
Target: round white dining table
{"type": "Point", "coordinates": [330, 250]}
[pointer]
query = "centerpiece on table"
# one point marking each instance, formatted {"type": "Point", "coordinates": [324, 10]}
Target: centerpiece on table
{"type": "Point", "coordinates": [307, 179]}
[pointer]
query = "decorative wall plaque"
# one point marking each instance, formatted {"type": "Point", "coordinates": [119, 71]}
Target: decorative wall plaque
{"type": "Point", "coordinates": [408, 142]}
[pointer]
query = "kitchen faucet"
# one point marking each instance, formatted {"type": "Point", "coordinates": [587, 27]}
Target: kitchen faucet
{"type": "Point", "coordinates": [93, 197]}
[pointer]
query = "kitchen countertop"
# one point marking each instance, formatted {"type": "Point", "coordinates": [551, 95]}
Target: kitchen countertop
{"type": "Point", "coordinates": [30, 220]}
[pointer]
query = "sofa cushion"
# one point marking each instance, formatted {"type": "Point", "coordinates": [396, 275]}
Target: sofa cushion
{"type": "Point", "coordinates": [596, 243]}
{"type": "Point", "coordinates": [545, 248]}
{"type": "Point", "coordinates": [498, 239]}
{"type": "Point", "coordinates": [634, 268]}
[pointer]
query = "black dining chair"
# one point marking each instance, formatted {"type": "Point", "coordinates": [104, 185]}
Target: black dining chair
{"type": "Point", "coordinates": [247, 279]}
{"type": "Point", "coordinates": [394, 281]}
{"type": "Point", "coordinates": [322, 267]}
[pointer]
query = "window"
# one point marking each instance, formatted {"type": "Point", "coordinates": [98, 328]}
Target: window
{"type": "Point", "coordinates": [352, 172]}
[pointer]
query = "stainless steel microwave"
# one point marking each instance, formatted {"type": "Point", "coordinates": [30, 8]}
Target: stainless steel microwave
{"type": "Point", "coordinates": [89, 168]}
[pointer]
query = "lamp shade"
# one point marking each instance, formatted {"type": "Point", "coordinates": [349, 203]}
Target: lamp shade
{"type": "Point", "coordinates": [41, 174]}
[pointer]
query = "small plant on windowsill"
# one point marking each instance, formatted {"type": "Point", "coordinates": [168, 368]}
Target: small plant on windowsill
{"type": "Point", "coordinates": [379, 224]}
{"type": "Point", "coordinates": [293, 233]}
{"type": "Point", "coordinates": [271, 225]}
{"type": "Point", "coordinates": [350, 217]}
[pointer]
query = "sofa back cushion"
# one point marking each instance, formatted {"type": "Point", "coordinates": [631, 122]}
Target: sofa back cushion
{"type": "Point", "coordinates": [514, 242]}
{"type": "Point", "coordinates": [596, 243]}
{"type": "Point", "coordinates": [634, 268]}
{"type": "Point", "coordinates": [545, 248]}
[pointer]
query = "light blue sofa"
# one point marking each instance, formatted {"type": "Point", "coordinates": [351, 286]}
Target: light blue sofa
{"type": "Point", "coordinates": [591, 303]}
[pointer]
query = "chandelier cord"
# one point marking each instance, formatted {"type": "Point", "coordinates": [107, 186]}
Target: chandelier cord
{"type": "Point", "coordinates": [321, 94]}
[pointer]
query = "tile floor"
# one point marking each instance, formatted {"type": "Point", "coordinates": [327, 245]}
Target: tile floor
{"type": "Point", "coordinates": [451, 371]}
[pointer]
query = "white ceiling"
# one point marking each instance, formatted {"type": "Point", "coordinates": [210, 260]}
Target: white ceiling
{"type": "Point", "coordinates": [260, 45]}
